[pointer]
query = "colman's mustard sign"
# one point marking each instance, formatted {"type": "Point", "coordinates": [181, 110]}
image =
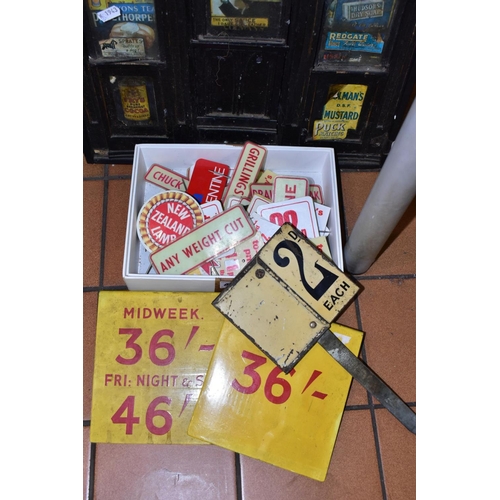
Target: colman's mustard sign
{"type": "Point", "coordinates": [340, 113]}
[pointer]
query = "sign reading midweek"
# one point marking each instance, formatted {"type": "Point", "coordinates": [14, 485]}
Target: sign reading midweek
{"type": "Point", "coordinates": [151, 357]}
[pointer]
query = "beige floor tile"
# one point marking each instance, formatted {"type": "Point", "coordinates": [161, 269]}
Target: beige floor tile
{"type": "Point", "coordinates": [389, 321]}
{"type": "Point", "coordinates": [92, 226]}
{"type": "Point", "coordinates": [89, 330]}
{"type": "Point", "coordinates": [398, 452]}
{"type": "Point", "coordinates": [116, 226]}
{"type": "Point", "coordinates": [156, 472]}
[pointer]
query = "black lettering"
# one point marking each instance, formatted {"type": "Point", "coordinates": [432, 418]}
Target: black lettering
{"type": "Point", "coordinates": [328, 277]}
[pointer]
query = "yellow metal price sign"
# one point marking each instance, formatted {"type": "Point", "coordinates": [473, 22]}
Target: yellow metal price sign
{"type": "Point", "coordinates": [248, 405]}
{"type": "Point", "coordinates": [151, 358]}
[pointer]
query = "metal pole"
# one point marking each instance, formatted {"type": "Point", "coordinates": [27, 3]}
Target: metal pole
{"type": "Point", "coordinates": [389, 198]}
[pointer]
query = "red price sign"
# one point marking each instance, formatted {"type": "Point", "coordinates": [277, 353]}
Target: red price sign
{"type": "Point", "coordinates": [152, 354]}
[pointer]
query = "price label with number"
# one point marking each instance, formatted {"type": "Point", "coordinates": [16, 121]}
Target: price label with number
{"type": "Point", "coordinates": [152, 354]}
{"type": "Point", "coordinates": [248, 405]}
{"type": "Point", "coordinates": [285, 299]}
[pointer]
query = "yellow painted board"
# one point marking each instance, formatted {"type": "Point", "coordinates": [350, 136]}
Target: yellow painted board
{"type": "Point", "coordinates": [151, 356]}
{"type": "Point", "coordinates": [249, 406]}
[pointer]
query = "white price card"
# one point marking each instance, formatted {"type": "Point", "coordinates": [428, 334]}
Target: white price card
{"type": "Point", "coordinates": [264, 227]}
{"type": "Point", "coordinates": [109, 13]}
{"type": "Point", "coordinates": [288, 188]}
{"type": "Point", "coordinates": [323, 214]}
{"type": "Point", "coordinates": [300, 212]}
{"type": "Point", "coordinates": [211, 209]}
{"type": "Point", "coordinates": [256, 201]}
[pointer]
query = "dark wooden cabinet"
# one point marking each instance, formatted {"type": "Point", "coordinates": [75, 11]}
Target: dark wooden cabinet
{"type": "Point", "coordinates": [338, 74]}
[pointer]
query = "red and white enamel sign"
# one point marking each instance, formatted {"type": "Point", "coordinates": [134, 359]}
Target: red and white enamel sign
{"type": "Point", "coordinates": [166, 178]}
{"type": "Point", "coordinates": [246, 171]}
{"type": "Point", "coordinates": [166, 217]}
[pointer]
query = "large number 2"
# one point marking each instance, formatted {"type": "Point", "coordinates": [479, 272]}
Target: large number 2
{"type": "Point", "coordinates": [328, 277]}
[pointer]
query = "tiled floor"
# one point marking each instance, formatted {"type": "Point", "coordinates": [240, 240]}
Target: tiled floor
{"type": "Point", "coordinates": [374, 456]}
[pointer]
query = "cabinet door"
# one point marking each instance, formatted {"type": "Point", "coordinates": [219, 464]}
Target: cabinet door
{"type": "Point", "coordinates": [358, 78]}
{"type": "Point", "coordinates": [122, 31]}
{"type": "Point", "coordinates": [237, 58]}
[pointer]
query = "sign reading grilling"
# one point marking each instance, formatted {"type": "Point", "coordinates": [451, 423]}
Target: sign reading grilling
{"type": "Point", "coordinates": [246, 171]}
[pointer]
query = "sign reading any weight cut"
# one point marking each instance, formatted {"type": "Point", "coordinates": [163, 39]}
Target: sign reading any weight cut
{"type": "Point", "coordinates": [152, 354]}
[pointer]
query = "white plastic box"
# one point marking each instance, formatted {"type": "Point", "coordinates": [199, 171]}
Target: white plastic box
{"type": "Point", "coordinates": [317, 164]}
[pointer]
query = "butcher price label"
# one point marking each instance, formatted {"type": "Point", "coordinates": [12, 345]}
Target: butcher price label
{"type": "Point", "coordinates": [316, 193]}
{"type": "Point", "coordinates": [208, 180]}
{"type": "Point", "coordinates": [166, 178]}
{"type": "Point", "coordinates": [216, 236]}
{"type": "Point", "coordinates": [166, 217]}
{"type": "Point", "coordinates": [300, 212]}
{"type": "Point", "coordinates": [288, 188]}
{"type": "Point", "coordinates": [264, 190]}
{"type": "Point", "coordinates": [247, 169]}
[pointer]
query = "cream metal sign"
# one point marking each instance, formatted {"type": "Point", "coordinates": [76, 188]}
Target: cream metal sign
{"type": "Point", "coordinates": [246, 171]}
{"type": "Point", "coordinates": [219, 234]}
{"type": "Point", "coordinates": [288, 296]}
